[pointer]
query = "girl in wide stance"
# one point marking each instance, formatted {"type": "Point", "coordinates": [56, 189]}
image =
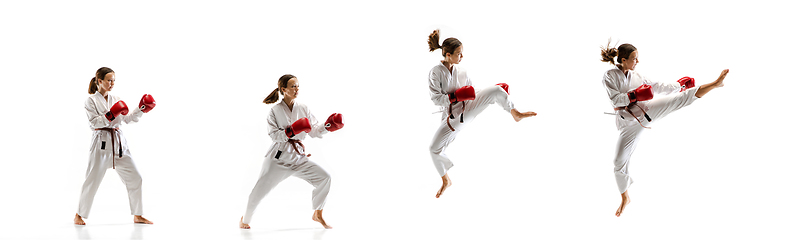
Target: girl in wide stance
{"type": "Point", "coordinates": [451, 90]}
{"type": "Point", "coordinates": [630, 94]}
{"type": "Point", "coordinates": [290, 122]}
{"type": "Point", "coordinates": [109, 147]}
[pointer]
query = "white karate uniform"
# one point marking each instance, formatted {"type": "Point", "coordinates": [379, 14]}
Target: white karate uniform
{"type": "Point", "coordinates": [283, 161]}
{"type": "Point", "coordinates": [101, 154]}
{"type": "Point", "coordinates": [617, 86]}
{"type": "Point", "coordinates": [441, 82]}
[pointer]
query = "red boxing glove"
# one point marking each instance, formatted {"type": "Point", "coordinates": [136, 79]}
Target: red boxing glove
{"type": "Point", "coordinates": [334, 122]}
{"type": "Point", "coordinates": [118, 108]}
{"type": "Point", "coordinates": [504, 86]}
{"type": "Point", "coordinates": [686, 83]}
{"type": "Point", "coordinates": [642, 93]}
{"type": "Point", "coordinates": [147, 103]}
{"type": "Point", "coordinates": [299, 126]}
{"type": "Point", "coordinates": [463, 93]}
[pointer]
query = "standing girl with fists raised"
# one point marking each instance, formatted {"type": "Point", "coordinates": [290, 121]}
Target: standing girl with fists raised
{"type": "Point", "coordinates": [109, 147]}
{"type": "Point", "coordinates": [290, 122]}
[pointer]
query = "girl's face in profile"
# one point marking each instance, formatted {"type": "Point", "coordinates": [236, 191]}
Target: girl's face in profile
{"type": "Point", "coordinates": [630, 62]}
{"type": "Point", "coordinates": [292, 88]}
{"type": "Point", "coordinates": [107, 83]}
{"type": "Point", "coordinates": [456, 56]}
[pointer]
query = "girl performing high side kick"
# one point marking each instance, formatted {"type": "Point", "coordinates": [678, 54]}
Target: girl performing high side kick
{"type": "Point", "coordinates": [289, 123]}
{"type": "Point", "coordinates": [109, 147]}
{"type": "Point", "coordinates": [451, 90]}
{"type": "Point", "coordinates": [630, 94]}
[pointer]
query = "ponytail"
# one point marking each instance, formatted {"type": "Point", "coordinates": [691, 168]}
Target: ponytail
{"type": "Point", "coordinates": [433, 41]}
{"type": "Point", "coordinates": [93, 85]}
{"type": "Point", "coordinates": [282, 82]}
{"type": "Point", "coordinates": [608, 53]}
{"type": "Point", "coordinates": [448, 46]}
{"type": "Point", "coordinates": [623, 51]}
{"type": "Point", "coordinates": [273, 97]}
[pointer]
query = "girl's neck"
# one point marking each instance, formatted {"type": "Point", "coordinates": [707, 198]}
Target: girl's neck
{"type": "Point", "coordinates": [289, 102]}
{"type": "Point", "coordinates": [104, 93]}
{"type": "Point", "coordinates": [624, 71]}
{"type": "Point", "coordinates": [448, 65]}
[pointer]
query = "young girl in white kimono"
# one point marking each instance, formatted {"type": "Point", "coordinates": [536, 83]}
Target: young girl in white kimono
{"type": "Point", "coordinates": [109, 147]}
{"type": "Point", "coordinates": [451, 90]}
{"type": "Point", "coordinates": [630, 94]}
{"type": "Point", "coordinates": [289, 123]}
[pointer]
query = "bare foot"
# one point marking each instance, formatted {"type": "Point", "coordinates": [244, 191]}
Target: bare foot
{"type": "Point", "coordinates": [79, 220]}
{"type": "Point", "coordinates": [317, 216]}
{"type": "Point", "coordinates": [625, 201]}
{"type": "Point", "coordinates": [705, 88]}
{"type": "Point", "coordinates": [140, 219]}
{"type": "Point", "coordinates": [718, 82]}
{"type": "Point", "coordinates": [243, 225]}
{"type": "Point", "coordinates": [520, 115]}
{"type": "Point", "coordinates": [445, 184]}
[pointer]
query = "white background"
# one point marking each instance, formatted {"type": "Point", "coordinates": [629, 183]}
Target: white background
{"type": "Point", "coordinates": [725, 167]}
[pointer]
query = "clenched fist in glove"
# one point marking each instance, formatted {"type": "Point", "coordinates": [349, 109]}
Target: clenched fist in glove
{"type": "Point", "coordinates": [686, 83]}
{"type": "Point", "coordinates": [299, 126]}
{"type": "Point", "coordinates": [642, 93]}
{"type": "Point", "coordinates": [147, 103]}
{"type": "Point", "coordinates": [463, 93]}
{"type": "Point", "coordinates": [504, 86]}
{"type": "Point", "coordinates": [118, 108]}
{"type": "Point", "coordinates": [334, 122]}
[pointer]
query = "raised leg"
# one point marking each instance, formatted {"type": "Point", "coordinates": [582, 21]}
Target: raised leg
{"type": "Point", "coordinates": [703, 89]}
